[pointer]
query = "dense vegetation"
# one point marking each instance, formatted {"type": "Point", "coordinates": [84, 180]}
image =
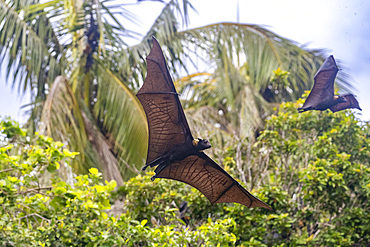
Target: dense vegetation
{"type": "Point", "coordinates": [312, 168]}
{"type": "Point", "coordinates": [74, 59]}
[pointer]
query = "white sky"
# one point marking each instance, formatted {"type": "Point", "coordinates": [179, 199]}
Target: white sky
{"type": "Point", "coordinates": [341, 26]}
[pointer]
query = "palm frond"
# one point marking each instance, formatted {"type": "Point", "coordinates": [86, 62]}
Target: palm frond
{"type": "Point", "coordinates": [28, 46]}
{"type": "Point", "coordinates": [122, 117]}
{"type": "Point", "coordinates": [61, 116]}
{"type": "Point", "coordinates": [262, 50]}
{"type": "Point", "coordinates": [242, 58]}
{"type": "Point", "coordinates": [92, 106]}
{"type": "Point", "coordinates": [165, 28]}
{"type": "Point", "coordinates": [63, 119]}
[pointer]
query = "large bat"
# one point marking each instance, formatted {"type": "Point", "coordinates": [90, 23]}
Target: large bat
{"type": "Point", "coordinates": [173, 149]}
{"type": "Point", "coordinates": [322, 94]}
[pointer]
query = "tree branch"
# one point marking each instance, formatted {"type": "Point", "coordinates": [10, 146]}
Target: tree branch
{"type": "Point", "coordinates": [37, 189]}
{"type": "Point", "coordinates": [33, 215]}
{"type": "Point", "coordinates": [7, 170]}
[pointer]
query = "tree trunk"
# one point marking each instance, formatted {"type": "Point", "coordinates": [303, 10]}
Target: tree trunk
{"type": "Point", "coordinates": [109, 164]}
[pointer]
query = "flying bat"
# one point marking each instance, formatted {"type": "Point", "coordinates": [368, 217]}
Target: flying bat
{"type": "Point", "coordinates": [172, 148]}
{"type": "Point", "coordinates": [322, 94]}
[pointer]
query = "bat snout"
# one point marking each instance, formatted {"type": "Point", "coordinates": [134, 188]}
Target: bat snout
{"type": "Point", "coordinates": [204, 144]}
{"type": "Point", "coordinates": [207, 144]}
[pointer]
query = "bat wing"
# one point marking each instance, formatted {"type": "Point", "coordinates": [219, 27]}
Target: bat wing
{"type": "Point", "coordinates": [323, 88]}
{"type": "Point", "coordinates": [166, 119]}
{"type": "Point", "coordinates": [350, 103]}
{"type": "Point", "coordinates": [208, 177]}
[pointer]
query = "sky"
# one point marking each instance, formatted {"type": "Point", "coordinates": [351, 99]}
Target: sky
{"type": "Point", "coordinates": [340, 26]}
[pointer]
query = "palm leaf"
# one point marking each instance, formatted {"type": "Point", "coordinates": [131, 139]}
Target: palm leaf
{"type": "Point", "coordinates": [242, 58]}
{"type": "Point", "coordinates": [94, 109]}
{"type": "Point", "coordinates": [122, 116]}
{"type": "Point", "coordinates": [61, 116]}
{"type": "Point", "coordinates": [63, 120]}
{"type": "Point", "coordinates": [263, 51]}
{"type": "Point", "coordinates": [28, 46]}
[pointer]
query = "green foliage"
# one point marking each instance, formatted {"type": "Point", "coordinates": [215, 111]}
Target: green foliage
{"type": "Point", "coordinates": [82, 75]}
{"type": "Point", "coordinates": [316, 180]}
{"type": "Point", "coordinates": [78, 214]}
{"type": "Point", "coordinates": [322, 160]}
{"type": "Point", "coordinates": [315, 175]}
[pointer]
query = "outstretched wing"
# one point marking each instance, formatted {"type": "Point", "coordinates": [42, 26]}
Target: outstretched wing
{"type": "Point", "coordinates": [350, 103]}
{"type": "Point", "coordinates": [208, 177]}
{"type": "Point", "coordinates": [323, 88]}
{"type": "Point", "coordinates": [166, 119]}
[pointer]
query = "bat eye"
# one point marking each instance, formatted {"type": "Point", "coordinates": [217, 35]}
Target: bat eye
{"type": "Point", "coordinates": [206, 142]}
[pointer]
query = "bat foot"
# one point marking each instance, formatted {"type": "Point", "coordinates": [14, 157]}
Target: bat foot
{"type": "Point", "coordinates": [153, 178]}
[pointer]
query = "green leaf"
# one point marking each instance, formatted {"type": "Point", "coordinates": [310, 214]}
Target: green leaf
{"type": "Point", "coordinates": [143, 222]}
{"type": "Point", "coordinates": [94, 171]}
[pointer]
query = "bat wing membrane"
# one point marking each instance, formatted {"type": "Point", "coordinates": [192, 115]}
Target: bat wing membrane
{"type": "Point", "coordinates": [166, 119]}
{"type": "Point", "coordinates": [323, 89]}
{"type": "Point", "coordinates": [210, 179]}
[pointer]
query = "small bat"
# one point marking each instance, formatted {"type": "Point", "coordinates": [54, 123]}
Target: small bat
{"type": "Point", "coordinates": [322, 94]}
{"type": "Point", "coordinates": [173, 149]}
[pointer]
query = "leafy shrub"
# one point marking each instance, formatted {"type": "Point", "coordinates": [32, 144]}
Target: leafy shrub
{"type": "Point", "coordinates": [76, 214]}
{"type": "Point", "coordinates": [312, 168]}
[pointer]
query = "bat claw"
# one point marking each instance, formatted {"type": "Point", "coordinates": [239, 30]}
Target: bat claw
{"type": "Point", "coordinates": [144, 167]}
{"type": "Point", "coordinates": [153, 178]}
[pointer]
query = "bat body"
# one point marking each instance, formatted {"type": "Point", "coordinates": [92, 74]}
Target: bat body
{"type": "Point", "coordinates": [172, 148]}
{"type": "Point", "coordinates": [322, 94]}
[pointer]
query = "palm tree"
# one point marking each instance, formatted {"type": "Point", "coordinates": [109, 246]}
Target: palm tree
{"type": "Point", "coordinates": [73, 58]}
{"type": "Point", "coordinates": [252, 71]}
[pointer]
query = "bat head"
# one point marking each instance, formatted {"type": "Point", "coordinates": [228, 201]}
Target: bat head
{"type": "Point", "coordinates": [340, 99]}
{"type": "Point", "coordinates": [201, 144]}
